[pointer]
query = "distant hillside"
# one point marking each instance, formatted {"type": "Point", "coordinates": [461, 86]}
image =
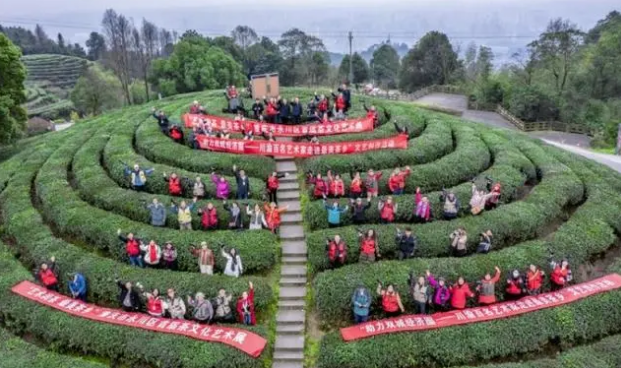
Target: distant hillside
{"type": "Point", "coordinates": [336, 58]}
{"type": "Point", "coordinates": [49, 81]}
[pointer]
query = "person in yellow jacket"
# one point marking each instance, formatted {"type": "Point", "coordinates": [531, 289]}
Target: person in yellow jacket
{"type": "Point", "coordinates": [184, 213]}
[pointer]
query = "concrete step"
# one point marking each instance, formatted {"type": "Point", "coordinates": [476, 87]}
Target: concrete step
{"type": "Point", "coordinates": [293, 206]}
{"type": "Point", "coordinates": [291, 232]}
{"type": "Point", "coordinates": [288, 260]}
{"type": "Point", "coordinates": [292, 293]}
{"type": "Point", "coordinates": [290, 317]}
{"type": "Point", "coordinates": [289, 179]}
{"type": "Point", "coordinates": [293, 270]}
{"type": "Point", "coordinates": [294, 248]}
{"type": "Point", "coordinates": [289, 343]}
{"type": "Point", "coordinates": [292, 304]}
{"type": "Point", "coordinates": [289, 186]}
{"type": "Point", "coordinates": [288, 356]}
{"type": "Point", "coordinates": [284, 196]}
{"type": "Point", "coordinates": [291, 218]}
{"type": "Point", "coordinates": [292, 281]}
{"type": "Point", "coordinates": [290, 329]}
{"type": "Point", "coordinates": [284, 158]}
{"type": "Point", "coordinates": [288, 364]}
{"type": "Point", "coordinates": [286, 166]}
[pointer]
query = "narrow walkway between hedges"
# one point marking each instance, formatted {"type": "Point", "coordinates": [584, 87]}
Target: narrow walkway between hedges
{"type": "Point", "coordinates": [291, 316]}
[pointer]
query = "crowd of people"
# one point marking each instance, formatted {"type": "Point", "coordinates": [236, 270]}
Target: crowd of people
{"type": "Point", "coordinates": [431, 293]}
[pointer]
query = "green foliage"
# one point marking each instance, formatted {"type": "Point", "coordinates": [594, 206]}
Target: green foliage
{"type": "Point", "coordinates": [305, 60]}
{"type": "Point", "coordinates": [12, 75]}
{"type": "Point", "coordinates": [385, 66]}
{"type": "Point", "coordinates": [96, 91]}
{"type": "Point", "coordinates": [360, 68]}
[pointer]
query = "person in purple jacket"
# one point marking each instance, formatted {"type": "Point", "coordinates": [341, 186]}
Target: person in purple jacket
{"type": "Point", "coordinates": [441, 295]}
{"type": "Point", "coordinates": [222, 186]}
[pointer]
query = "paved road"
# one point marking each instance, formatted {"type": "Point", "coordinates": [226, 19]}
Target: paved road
{"type": "Point", "coordinates": [613, 162]}
{"type": "Point", "coordinates": [63, 126]}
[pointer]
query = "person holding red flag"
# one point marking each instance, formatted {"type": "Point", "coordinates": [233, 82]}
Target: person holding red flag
{"type": "Point", "coordinates": [48, 275]}
{"type": "Point", "coordinates": [320, 187]}
{"type": "Point", "coordinates": [487, 288]}
{"type": "Point", "coordinates": [174, 184]}
{"type": "Point", "coordinates": [337, 251]}
{"type": "Point", "coordinates": [396, 182]}
{"type": "Point", "coordinates": [245, 307]}
{"type": "Point", "coordinates": [209, 216]}
{"type": "Point", "coordinates": [534, 280]}
{"type": "Point", "coordinates": [272, 185]}
{"type": "Point", "coordinates": [272, 216]}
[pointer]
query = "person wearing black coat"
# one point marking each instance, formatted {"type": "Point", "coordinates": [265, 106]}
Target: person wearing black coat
{"type": "Point", "coordinates": [296, 111]}
{"type": "Point", "coordinates": [358, 210]}
{"type": "Point", "coordinates": [243, 184]}
{"type": "Point", "coordinates": [129, 297]}
{"type": "Point", "coordinates": [406, 243]}
{"type": "Point", "coordinates": [284, 111]}
{"type": "Point", "coordinates": [162, 120]}
{"type": "Point", "coordinates": [257, 109]}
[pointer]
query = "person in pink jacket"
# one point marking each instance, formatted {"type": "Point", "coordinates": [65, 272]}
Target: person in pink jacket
{"type": "Point", "coordinates": [222, 186]}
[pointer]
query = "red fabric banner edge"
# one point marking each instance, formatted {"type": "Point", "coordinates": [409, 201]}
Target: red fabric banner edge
{"type": "Point", "coordinates": [413, 323]}
{"type": "Point", "coordinates": [243, 340]}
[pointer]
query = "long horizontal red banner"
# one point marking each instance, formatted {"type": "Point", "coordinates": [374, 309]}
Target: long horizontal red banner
{"type": "Point", "coordinates": [299, 149]}
{"type": "Point", "coordinates": [219, 123]}
{"type": "Point", "coordinates": [481, 314]}
{"type": "Point", "coordinates": [246, 341]}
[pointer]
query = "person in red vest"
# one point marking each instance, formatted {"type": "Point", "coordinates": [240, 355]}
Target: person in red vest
{"type": "Point", "coordinates": [245, 307]}
{"type": "Point", "coordinates": [321, 188]}
{"type": "Point", "coordinates": [372, 114]}
{"type": "Point", "coordinates": [387, 210]}
{"type": "Point", "coordinates": [272, 185]}
{"type": "Point", "coordinates": [195, 108]}
{"type": "Point", "coordinates": [487, 288]}
{"type": "Point", "coordinates": [534, 280]}
{"type": "Point", "coordinates": [174, 184]}
{"type": "Point", "coordinates": [337, 251]}
{"type": "Point", "coordinates": [176, 133]}
{"type": "Point", "coordinates": [155, 304]}
{"type": "Point", "coordinates": [515, 286]}
{"type": "Point", "coordinates": [371, 183]}
{"type": "Point", "coordinates": [272, 216]}
{"type": "Point", "coordinates": [369, 248]}
{"type": "Point", "coordinates": [322, 104]}
{"type": "Point", "coordinates": [209, 216]}
{"type": "Point", "coordinates": [48, 274]}
{"type": "Point", "coordinates": [561, 274]}
{"type": "Point", "coordinates": [460, 292]}
{"type": "Point", "coordinates": [271, 109]}
{"type": "Point", "coordinates": [396, 182]}
{"type": "Point", "coordinates": [339, 102]}
{"type": "Point", "coordinates": [355, 187]}
{"type": "Point", "coordinates": [492, 202]}
{"type": "Point", "coordinates": [391, 300]}
{"type": "Point", "coordinates": [337, 187]}
{"type": "Point", "coordinates": [132, 247]}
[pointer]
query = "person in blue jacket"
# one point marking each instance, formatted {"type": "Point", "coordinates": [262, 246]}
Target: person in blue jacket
{"type": "Point", "coordinates": [138, 176]}
{"type": "Point", "coordinates": [361, 301]}
{"type": "Point", "coordinates": [77, 287]}
{"type": "Point", "coordinates": [334, 212]}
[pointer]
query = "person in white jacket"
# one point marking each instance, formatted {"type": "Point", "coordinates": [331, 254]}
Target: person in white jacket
{"type": "Point", "coordinates": [152, 253]}
{"type": "Point", "coordinates": [257, 218]}
{"type": "Point", "coordinates": [233, 266]}
{"type": "Point", "coordinates": [479, 197]}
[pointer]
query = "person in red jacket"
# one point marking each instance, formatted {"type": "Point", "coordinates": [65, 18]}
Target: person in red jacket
{"type": "Point", "coordinates": [371, 183]}
{"type": "Point", "coordinates": [271, 109]}
{"type": "Point", "coordinates": [460, 292]}
{"type": "Point", "coordinates": [272, 215]}
{"type": "Point", "coordinates": [48, 275]}
{"type": "Point", "coordinates": [492, 202]}
{"type": "Point", "coordinates": [372, 114]}
{"type": "Point", "coordinates": [337, 186]}
{"type": "Point", "coordinates": [176, 133]}
{"type": "Point", "coordinates": [534, 280]}
{"type": "Point", "coordinates": [321, 188]}
{"type": "Point", "coordinates": [155, 304]}
{"type": "Point", "coordinates": [339, 103]}
{"type": "Point", "coordinates": [391, 300]}
{"type": "Point", "coordinates": [396, 182]}
{"type": "Point", "coordinates": [209, 216]}
{"type": "Point", "coordinates": [487, 288]}
{"type": "Point", "coordinates": [337, 251]}
{"type": "Point", "coordinates": [272, 185]}
{"type": "Point", "coordinates": [387, 210]}
{"type": "Point", "coordinates": [355, 187]}
{"type": "Point", "coordinates": [245, 307]}
{"type": "Point", "coordinates": [515, 286]}
{"type": "Point", "coordinates": [132, 247]}
{"type": "Point", "coordinates": [174, 184]}
{"type": "Point", "coordinates": [561, 274]}
{"type": "Point", "coordinates": [369, 248]}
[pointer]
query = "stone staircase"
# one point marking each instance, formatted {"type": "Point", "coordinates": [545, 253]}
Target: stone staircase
{"type": "Point", "coordinates": [291, 316]}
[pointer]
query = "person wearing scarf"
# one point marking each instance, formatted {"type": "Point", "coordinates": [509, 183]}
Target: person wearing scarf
{"type": "Point", "coordinates": [152, 253]}
{"type": "Point", "coordinates": [233, 266]}
{"type": "Point", "coordinates": [169, 255]}
{"type": "Point", "coordinates": [257, 218]}
{"type": "Point", "coordinates": [245, 307]}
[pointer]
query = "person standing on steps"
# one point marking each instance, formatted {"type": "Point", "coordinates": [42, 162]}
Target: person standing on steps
{"type": "Point", "coordinates": [129, 298]}
{"type": "Point", "coordinates": [235, 215]}
{"type": "Point", "coordinates": [157, 213]}
{"type": "Point", "coordinates": [487, 288]}
{"type": "Point", "coordinates": [406, 243]}
{"type": "Point", "coordinates": [202, 308]}
{"type": "Point", "coordinates": [391, 300]}
{"type": "Point", "coordinates": [369, 249]}
{"type": "Point", "coordinates": [358, 210]}
{"type": "Point", "coordinates": [184, 213]}
{"type": "Point", "coordinates": [233, 266]}
{"type": "Point", "coordinates": [459, 242]}
{"type": "Point", "coordinates": [138, 176]}
{"type": "Point", "coordinates": [450, 204]}
{"type": "Point", "coordinates": [361, 301]}
{"type": "Point", "coordinates": [209, 217]}
{"type": "Point", "coordinates": [77, 287]}
{"type": "Point", "coordinates": [257, 217]}
{"type": "Point", "coordinates": [47, 274]}
{"type": "Point", "coordinates": [132, 248]}
{"type": "Point", "coordinates": [243, 183]}
{"type": "Point", "coordinates": [169, 256]}
{"type": "Point", "coordinates": [272, 216]}
{"type": "Point", "coordinates": [222, 186]}
{"type": "Point", "coordinates": [152, 254]}
{"type": "Point", "coordinates": [206, 258]}
{"type": "Point", "coordinates": [334, 212]}
{"type": "Point", "coordinates": [245, 307]}
{"type": "Point", "coordinates": [272, 185]}
{"type": "Point", "coordinates": [174, 305]}
{"type": "Point", "coordinates": [337, 251]}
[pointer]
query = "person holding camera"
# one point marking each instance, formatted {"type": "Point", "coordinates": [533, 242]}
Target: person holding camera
{"type": "Point", "coordinates": [337, 251]}
{"type": "Point", "coordinates": [369, 249]}
{"type": "Point", "coordinates": [406, 243]}
{"type": "Point", "coordinates": [459, 242]}
{"type": "Point", "coordinates": [391, 300]}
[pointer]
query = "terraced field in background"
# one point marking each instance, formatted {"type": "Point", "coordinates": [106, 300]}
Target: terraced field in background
{"type": "Point", "coordinates": [65, 195]}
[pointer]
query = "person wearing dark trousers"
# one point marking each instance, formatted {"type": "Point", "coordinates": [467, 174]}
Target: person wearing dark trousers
{"type": "Point", "coordinates": [129, 298]}
{"type": "Point", "coordinates": [296, 111]}
{"type": "Point", "coordinates": [284, 111]}
{"type": "Point", "coordinates": [346, 96]}
{"type": "Point", "coordinates": [358, 210]}
{"type": "Point", "coordinates": [272, 185]}
{"type": "Point", "coordinates": [257, 109]}
{"type": "Point", "coordinates": [243, 184]}
{"type": "Point", "coordinates": [162, 120]}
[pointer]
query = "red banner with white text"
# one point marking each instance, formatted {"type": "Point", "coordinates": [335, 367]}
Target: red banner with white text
{"type": "Point", "coordinates": [299, 149]}
{"type": "Point", "coordinates": [219, 123]}
{"type": "Point", "coordinates": [482, 314]}
{"type": "Point", "coordinates": [246, 341]}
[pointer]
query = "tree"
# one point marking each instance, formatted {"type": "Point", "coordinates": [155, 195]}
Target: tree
{"type": "Point", "coordinates": [301, 63]}
{"type": "Point", "coordinates": [245, 37]}
{"type": "Point", "coordinates": [61, 41]}
{"type": "Point", "coordinates": [484, 63]}
{"type": "Point", "coordinates": [228, 44]}
{"type": "Point", "coordinates": [150, 39]}
{"type": "Point", "coordinates": [470, 64]}
{"type": "Point", "coordinates": [385, 66]}
{"type": "Point", "coordinates": [96, 91]}
{"type": "Point", "coordinates": [118, 31]}
{"type": "Point", "coordinates": [360, 68]}
{"type": "Point", "coordinates": [41, 37]}
{"type": "Point", "coordinates": [166, 42]}
{"type": "Point", "coordinates": [96, 45]}
{"type": "Point", "coordinates": [556, 50]}
{"type": "Point", "coordinates": [12, 96]}
{"type": "Point", "coordinates": [431, 61]}
{"type": "Point", "coordinates": [612, 20]}
{"type": "Point", "coordinates": [263, 57]}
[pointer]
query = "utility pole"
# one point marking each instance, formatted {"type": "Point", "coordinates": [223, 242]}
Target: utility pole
{"type": "Point", "coordinates": [351, 64]}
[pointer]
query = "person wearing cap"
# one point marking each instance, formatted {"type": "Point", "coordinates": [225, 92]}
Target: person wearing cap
{"type": "Point", "coordinates": [174, 305]}
{"type": "Point", "coordinates": [206, 258]}
{"type": "Point", "coordinates": [169, 256]}
{"type": "Point", "coordinates": [487, 288]}
{"type": "Point", "coordinates": [442, 294]}
{"type": "Point", "coordinates": [77, 287]}
{"type": "Point", "coordinates": [361, 303]}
